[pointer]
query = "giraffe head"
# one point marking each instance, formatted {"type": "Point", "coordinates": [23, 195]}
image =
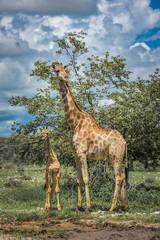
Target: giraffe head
{"type": "Point", "coordinates": [60, 71]}
{"type": "Point", "coordinates": [44, 132]}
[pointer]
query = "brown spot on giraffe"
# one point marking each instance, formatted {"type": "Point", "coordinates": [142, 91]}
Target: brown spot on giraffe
{"type": "Point", "coordinates": [85, 134]}
{"type": "Point", "coordinates": [78, 116]}
{"type": "Point", "coordinates": [66, 108]}
{"type": "Point", "coordinates": [84, 125]}
{"type": "Point", "coordinates": [93, 136]}
{"type": "Point", "coordinates": [80, 134]}
{"type": "Point", "coordinates": [99, 138]}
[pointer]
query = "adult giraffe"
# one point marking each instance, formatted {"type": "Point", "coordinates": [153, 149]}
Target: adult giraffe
{"type": "Point", "coordinates": [92, 141]}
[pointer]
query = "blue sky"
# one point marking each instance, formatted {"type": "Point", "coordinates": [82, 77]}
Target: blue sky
{"type": "Point", "coordinates": [130, 28]}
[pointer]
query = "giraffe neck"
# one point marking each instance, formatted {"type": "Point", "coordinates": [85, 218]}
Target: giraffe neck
{"type": "Point", "coordinates": [51, 156]}
{"type": "Point", "coordinates": [73, 112]}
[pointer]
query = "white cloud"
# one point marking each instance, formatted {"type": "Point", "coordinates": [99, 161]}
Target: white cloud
{"type": "Point", "coordinates": [38, 37]}
{"type": "Point", "coordinates": [144, 16]}
{"type": "Point", "coordinates": [8, 115]}
{"type": "Point", "coordinates": [110, 8]}
{"type": "Point", "coordinates": [5, 127]}
{"type": "Point", "coordinates": [142, 45]}
{"type": "Point", "coordinates": [153, 37]}
{"type": "Point", "coordinates": [9, 122]}
{"type": "Point", "coordinates": [11, 45]}
{"type": "Point", "coordinates": [142, 51]}
{"type": "Point", "coordinates": [143, 62]}
{"type": "Point", "coordinates": [6, 22]}
{"type": "Point", "coordinates": [104, 102]}
{"type": "Point", "coordinates": [59, 24]}
{"type": "Point", "coordinates": [96, 32]}
{"type": "Point", "coordinates": [5, 106]}
{"type": "Point", "coordinates": [134, 16]}
{"type": "Point", "coordinates": [124, 19]}
{"type": "Point", "coordinates": [12, 74]}
{"type": "Point", "coordinates": [33, 33]}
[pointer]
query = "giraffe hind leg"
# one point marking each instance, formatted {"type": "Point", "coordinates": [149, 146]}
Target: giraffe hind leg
{"type": "Point", "coordinates": [57, 190]}
{"type": "Point", "coordinates": [55, 186]}
{"type": "Point", "coordinates": [117, 185]}
{"type": "Point", "coordinates": [122, 193]}
{"type": "Point", "coordinates": [79, 182]}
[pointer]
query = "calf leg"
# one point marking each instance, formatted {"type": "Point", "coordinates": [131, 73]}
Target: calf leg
{"type": "Point", "coordinates": [48, 190]}
{"type": "Point", "coordinates": [57, 177]}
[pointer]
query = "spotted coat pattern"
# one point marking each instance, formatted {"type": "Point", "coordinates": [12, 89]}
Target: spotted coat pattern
{"type": "Point", "coordinates": [90, 140]}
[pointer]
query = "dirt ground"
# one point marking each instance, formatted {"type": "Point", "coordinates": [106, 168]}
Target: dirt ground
{"type": "Point", "coordinates": [77, 229]}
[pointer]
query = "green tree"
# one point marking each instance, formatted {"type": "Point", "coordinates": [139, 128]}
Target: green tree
{"type": "Point", "coordinates": [90, 82]}
{"type": "Point", "coordinates": [136, 113]}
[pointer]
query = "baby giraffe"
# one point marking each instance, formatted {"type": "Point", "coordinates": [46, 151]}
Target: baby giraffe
{"type": "Point", "coordinates": [52, 171]}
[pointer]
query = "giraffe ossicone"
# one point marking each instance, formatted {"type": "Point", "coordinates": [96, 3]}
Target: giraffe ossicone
{"type": "Point", "coordinates": [52, 171]}
{"type": "Point", "coordinates": [92, 141]}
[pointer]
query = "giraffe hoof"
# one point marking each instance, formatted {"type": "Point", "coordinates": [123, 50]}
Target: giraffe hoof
{"type": "Point", "coordinates": [47, 207]}
{"type": "Point", "coordinates": [77, 209]}
{"type": "Point", "coordinates": [121, 210]}
{"type": "Point", "coordinates": [59, 208]}
{"type": "Point", "coordinates": [87, 211]}
{"type": "Point", "coordinates": [110, 210]}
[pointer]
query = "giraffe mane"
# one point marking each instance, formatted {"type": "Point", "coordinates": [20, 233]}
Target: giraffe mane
{"type": "Point", "coordinates": [73, 97]}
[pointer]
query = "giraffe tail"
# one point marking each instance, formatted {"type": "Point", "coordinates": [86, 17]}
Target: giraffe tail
{"type": "Point", "coordinates": [126, 168]}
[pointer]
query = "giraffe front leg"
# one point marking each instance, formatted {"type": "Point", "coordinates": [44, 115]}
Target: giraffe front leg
{"type": "Point", "coordinates": [79, 182]}
{"type": "Point", "coordinates": [48, 191]}
{"type": "Point", "coordinates": [85, 177]}
{"type": "Point", "coordinates": [47, 185]}
{"type": "Point", "coordinates": [58, 204]}
{"type": "Point", "coordinates": [86, 182]}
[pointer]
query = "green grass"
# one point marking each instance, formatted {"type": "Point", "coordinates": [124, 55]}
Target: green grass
{"type": "Point", "coordinates": [22, 196]}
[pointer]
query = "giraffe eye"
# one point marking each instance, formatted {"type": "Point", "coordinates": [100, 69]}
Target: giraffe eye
{"type": "Point", "coordinates": [57, 71]}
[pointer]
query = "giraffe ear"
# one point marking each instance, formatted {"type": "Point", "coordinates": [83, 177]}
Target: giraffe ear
{"type": "Point", "coordinates": [54, 67]}
{"type": "Point", "coordinates": [40, 129]}
{"type": "Point", "coordinates": [65, 67]}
